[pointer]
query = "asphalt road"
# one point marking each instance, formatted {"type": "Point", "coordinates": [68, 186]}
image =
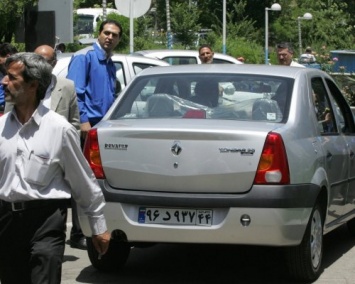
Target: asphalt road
{"type": "Point", "coordinates": [187, 263]}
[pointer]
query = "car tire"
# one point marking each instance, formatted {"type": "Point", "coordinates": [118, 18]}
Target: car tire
{"type": "Point", "coordinates": [305, 260]}
{"type": "Point", "coordinates": [115, 257]}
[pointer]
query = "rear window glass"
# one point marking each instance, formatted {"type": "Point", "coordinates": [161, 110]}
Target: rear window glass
{"type": "Point", "coordinates": [206, 96]}
{"type": "Point", "coordinates": [180, 60]}
{"type": "Point", "coordinates": [221, 61]}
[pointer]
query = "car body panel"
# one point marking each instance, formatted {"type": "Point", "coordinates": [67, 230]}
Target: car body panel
{"type": "Point", "coordinates": [127, 66]}
{"type": "Point", "coordinates": [201, 166]}
{"type": "Point", "coordinates": [204, 157]}
{"type": "Point", "coordinates": [268, 226]}
{"type": "Point", "coordinates": [181, 57]}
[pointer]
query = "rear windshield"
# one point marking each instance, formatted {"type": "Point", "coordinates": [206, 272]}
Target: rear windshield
{"type": "Point", "coordinates": [84, 25]}
{"type": "Point", "coordinates": [206, 96]}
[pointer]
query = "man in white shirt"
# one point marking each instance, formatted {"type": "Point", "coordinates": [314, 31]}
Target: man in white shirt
{"type": "Point", "coordinates": [61, 97]}
{"type": "Point", "coordinates": [41, 167]}
{"type": "Point", "coordinates": [285, 53]}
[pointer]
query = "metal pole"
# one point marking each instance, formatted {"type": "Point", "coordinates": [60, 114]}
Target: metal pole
{"type": "Point", "coordinates": [168, 29]}
{"type": "Point", "coordinates": [266, 37]}
{"type": "Point", "coordinates": [131, 26]}
{"type": "Point", "coordinates": [299, 35]}
{"type": "Point", "coordinates": [104, 11]}
{"type": "Point", "coordinates": [224, 26]}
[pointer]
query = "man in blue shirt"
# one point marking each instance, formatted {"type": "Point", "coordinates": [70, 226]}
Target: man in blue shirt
{"type": "Point", "coordinates": [94, 75]}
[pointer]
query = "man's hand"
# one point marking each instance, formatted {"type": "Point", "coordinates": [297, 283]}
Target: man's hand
{"type": "Point", "coordinates": [84, 129]}
{"type": "Point", "coordinates": [101, 242]}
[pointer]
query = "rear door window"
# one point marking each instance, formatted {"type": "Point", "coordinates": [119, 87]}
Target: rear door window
{"type": "Point", "coordinates": [120, 76]}
{"type": "Point", "coordinates": [343, 112]}
{"type": "Point", "coordinates": [324, 111]}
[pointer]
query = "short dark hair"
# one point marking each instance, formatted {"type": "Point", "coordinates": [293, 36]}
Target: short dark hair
{"type": "Point", "coordinates": [205, 46]}
{"type": "Point", "coordinates": [113, 22]}
{"type": "Point", "coordinates": [6, 48]}
{"type": "Point", "coordinates": [61, 46]}
{"type": "Point", "coordinates": [287, 45]}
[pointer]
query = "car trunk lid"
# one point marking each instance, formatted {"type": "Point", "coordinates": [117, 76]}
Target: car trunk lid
{"type": "Point", "coordinates": [198, 156]}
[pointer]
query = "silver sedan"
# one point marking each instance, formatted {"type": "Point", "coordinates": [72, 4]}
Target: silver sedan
{"type": "Point", "coordinates": [236, 154]}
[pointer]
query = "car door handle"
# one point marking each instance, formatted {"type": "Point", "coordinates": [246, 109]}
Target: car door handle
{"type": "Point", "coordinates": [314, 144]}
{"type": "Point", "coordinates": [351, 154]}
{"type": "Point", "coordinates": [329, 155]}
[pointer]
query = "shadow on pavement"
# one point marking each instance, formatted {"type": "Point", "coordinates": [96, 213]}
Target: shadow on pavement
{"type": "Point", "coordinates": [191, 263]}
{"type": "Point", "coordinates": [336, 244]}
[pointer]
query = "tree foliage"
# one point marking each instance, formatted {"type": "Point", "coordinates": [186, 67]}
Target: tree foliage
{"type": "Point", "coordinates": [183, 21]}
{"type": "Point", "coordinates": [332, 24]}
{"type": "Point", "coordinates": [92, 3]}
{"type": "Point", "coordinates": [11, 13]}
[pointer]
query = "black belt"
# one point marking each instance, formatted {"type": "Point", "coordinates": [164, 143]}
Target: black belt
{"type": "Point", "coordinates": [24, 205]}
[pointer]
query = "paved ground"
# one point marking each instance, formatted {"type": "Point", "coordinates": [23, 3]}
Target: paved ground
{"type": "Point", "coordinates": [167, 263]}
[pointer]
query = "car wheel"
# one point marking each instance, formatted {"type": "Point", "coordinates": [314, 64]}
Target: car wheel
{"type": "Point", "coordinates": [351, 226]}
{"type": "Point", "coordinates": [305, 260]}
{"type": "Point", "coordinates": [115, 257]}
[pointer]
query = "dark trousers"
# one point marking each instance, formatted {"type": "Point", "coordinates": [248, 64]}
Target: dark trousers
{"type": "Point", "coordinates": [32, 244]}
{"type": "Point", "coordinates": [75, 233]}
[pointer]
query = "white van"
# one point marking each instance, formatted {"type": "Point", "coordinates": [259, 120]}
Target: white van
{"type": "Point", "coordinates": [87, 19]}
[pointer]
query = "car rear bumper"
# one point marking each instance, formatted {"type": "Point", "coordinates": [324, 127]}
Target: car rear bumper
{"type": "Point", "coordinates": [259, 196]}
{"type": "Point", "coordinates": [278, 216]}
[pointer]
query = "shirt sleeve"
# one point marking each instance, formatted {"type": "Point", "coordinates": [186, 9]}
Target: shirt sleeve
{"type": "Point", "coordinates": [84, 187]}
{"type": "Point", "coordinates": [77, 72]}
{"type": "Point", "coordinates": [74, 118]}
{"type": "Point", "coordinates": [2, 95]}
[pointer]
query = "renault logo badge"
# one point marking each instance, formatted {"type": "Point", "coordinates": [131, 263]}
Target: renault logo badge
{"type": "Point", "coordinates": [176, 148]}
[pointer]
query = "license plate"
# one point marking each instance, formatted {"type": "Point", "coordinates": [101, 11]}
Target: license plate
{"type": "Point", "coordinates": [195, 217]}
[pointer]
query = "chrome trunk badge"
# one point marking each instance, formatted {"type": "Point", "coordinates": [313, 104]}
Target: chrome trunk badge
{"type": "Point", "coordinates": [176, 148]}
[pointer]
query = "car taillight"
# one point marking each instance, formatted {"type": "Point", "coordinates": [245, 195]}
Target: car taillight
{"type": "Point", "coordinates": [273, 164]}
{"type": "Point", "coordinates": [92, 153]}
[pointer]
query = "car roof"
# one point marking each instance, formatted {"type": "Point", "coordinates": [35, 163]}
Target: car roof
{"type": "Point", "coordinates": [119, 56]}
{"type": "Point", "coordinates": [272, 70]}
{"type": "Point", "coordinates": [64, 59]}
{"type": "Point", "coordinates": [159, 53]}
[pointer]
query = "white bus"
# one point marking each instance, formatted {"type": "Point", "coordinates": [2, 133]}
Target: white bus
{"type": "Point", "coordinates": [87, 19]}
